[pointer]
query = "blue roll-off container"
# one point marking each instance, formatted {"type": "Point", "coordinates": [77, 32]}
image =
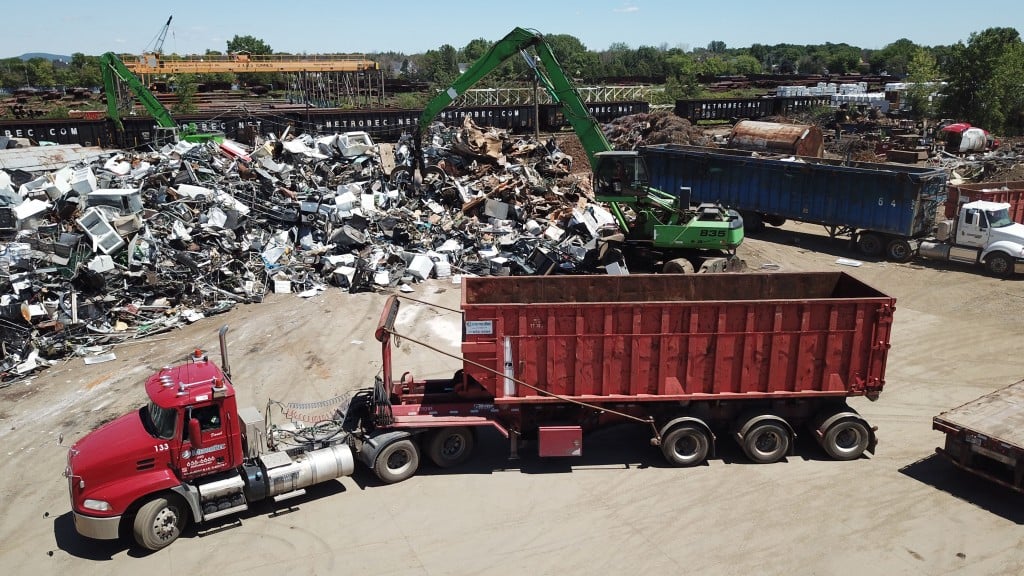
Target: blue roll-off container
{"type": "Point", "coordinates": [842, 196]}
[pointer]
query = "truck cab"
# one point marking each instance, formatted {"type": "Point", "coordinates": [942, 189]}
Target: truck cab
{"type": "Point", "coordinates": [983, 233]}
{"type": "Point", "coordinates": [188, 429]}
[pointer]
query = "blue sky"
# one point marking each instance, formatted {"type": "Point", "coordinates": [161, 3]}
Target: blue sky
{"type": "Point", "coordinates": [68, 26]}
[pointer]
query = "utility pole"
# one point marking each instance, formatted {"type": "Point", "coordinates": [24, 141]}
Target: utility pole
{"type": "Point", "coordinates": [536, 104]}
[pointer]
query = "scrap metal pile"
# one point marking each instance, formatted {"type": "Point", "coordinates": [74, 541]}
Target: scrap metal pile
{"type": "Point", "coordinates": [135, 243]}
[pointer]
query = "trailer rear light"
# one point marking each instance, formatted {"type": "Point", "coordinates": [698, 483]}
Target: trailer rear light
{"type": "Point", "coordinates": [98, 505]}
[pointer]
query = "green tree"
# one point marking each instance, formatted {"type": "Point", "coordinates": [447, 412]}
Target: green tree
{"type": "Point", "coordinates": [894, 58]}
{"type": "Point", "coordinates": [922, 73]}
{"type": "Point", "coordinates": [716, 47]}
{"type": "Point", "coordinates": [475, 49]}
{"type": "Point", "coordinates": [983, 79]}
{"type": "Point", "coordinates": [249, 45]}
{"type": "Point", "coordinates": [570, 53]}
{"type": "Point", "coordinates": [185, 88]}
{"type": "Point", "coordinates": [1007, 90]}
{"type": "Point", "coordinates": [85, 70]}
{"type": "Point", "coordinates": [440, 66]}
{"type": "Point", "coordinates": [681, 81]}
{"type": "Point", "coordinates": [745, 64]}
{"type": "Point", "coordinates": [40, 72]}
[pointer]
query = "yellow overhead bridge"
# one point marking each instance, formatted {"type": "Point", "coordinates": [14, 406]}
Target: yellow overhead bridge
{"type": "Point", "coordinates": [162, 64]}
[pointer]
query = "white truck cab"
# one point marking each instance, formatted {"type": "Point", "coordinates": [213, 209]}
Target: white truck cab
{"type": "Point", "coordinates": [984, 234]}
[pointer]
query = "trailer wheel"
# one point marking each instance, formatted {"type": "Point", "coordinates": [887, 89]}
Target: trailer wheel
{"type": "Point", "coordinates": [870, 244]}
{"type": "Point", "coordinates": [752, 222]}
{"type": "Point", "coordinates": [998, 264]}
{"type": "Point", "coordinates": [159, 522]}
{"type": "Point", "coordinates": [899, 250]}
{"type": "Point", "coordinates": [846, 439]}
{"type": "Point", "coordinates": [449, 447]}
{"type": "Point", "coordinates": [397, 461]}
{"type": "Point", "coordinates": [766, 442]}
{"type": "Point", "coordinates": [686, 445]}
{"type": "Point", "coordinates": [773, 219]}
{"type": "Point", "coordinates": [678, 266]}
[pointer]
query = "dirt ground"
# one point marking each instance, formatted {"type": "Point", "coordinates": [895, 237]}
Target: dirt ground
{"type": "Point", "coordinates": [618, 509]}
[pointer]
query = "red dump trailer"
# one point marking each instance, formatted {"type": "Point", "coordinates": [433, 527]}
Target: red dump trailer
{"type": "Point", "coordinates": [756, 357]}
{"type": "Point", "coordinates": [1010, 192]}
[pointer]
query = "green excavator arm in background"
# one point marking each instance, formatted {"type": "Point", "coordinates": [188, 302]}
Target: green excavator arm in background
{"type": "Point", "coordinates": [114, 70]}
{"type": "Point", "coordinates": [620, 177]}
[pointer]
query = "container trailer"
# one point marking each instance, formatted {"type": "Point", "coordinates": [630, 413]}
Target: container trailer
{"type": "Point", "coordinates": [755, 357]}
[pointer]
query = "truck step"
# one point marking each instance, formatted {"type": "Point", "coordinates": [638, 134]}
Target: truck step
{"type": "Point", "coordinates": [287, 495]}
{"type": "Point", "coordinates": [225, 512]}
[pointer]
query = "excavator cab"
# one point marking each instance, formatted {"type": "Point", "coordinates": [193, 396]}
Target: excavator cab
{"type": "Point", "coordinates": [620, 174]}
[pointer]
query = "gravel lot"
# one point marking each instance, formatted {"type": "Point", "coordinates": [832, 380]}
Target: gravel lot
{"type": "Point", "coordinates": [618, 509]}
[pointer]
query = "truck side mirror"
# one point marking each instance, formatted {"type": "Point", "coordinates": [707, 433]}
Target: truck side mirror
{"type": "Point", "coordinates": [194, 435]}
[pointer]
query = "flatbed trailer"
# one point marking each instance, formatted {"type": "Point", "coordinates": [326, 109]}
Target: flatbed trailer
{"type": "Point", "coordinates": [986, 436]}
{"type": "Point", "coordinates": [756, 357]}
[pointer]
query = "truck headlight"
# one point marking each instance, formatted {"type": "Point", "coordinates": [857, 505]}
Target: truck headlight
{"type": "Point", "coordinates": [99, 505]}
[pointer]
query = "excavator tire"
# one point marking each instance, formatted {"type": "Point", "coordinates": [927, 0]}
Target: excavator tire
{"type": "Point", "coordinates": [678, 266]}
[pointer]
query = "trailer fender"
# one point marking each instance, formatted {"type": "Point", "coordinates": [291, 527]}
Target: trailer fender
{"type": "Point", "coordinates": [374, 444]}
{"type": "Point", "coordinates": [686, 420]}
{"type": "Point", "coordinates": [751, 421]}
{"type": "Point", "coordinates": [821, 425]}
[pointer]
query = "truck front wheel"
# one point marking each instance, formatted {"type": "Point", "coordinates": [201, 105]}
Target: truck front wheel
{"type": "Point", "coordinates": [449, 447]}
{"type": "Point", "coordinates": [397, 461]}
{"type": "Point", "coordinates": [998, 264]}
{"type": "Point", "coordinates": [159, 522]}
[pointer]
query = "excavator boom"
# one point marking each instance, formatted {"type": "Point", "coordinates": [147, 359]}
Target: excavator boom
{"type": "Point", "coordinates": [114, 70]}
{"type": "Point", "coordinates": [662, 221]}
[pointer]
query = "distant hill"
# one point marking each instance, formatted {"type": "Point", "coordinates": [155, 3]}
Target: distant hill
{"type": "Point", "coordinates": [31, 55]}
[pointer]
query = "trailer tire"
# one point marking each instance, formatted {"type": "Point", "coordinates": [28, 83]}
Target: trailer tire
{"type": "Point", "coordinates": [999, 265]}
{"type": "Point", "coordinates": [397, 461]}
{"type": "Point", "coordinates": [870, 244]}
{"type": "Point", "coordinates": [159, 522]}
{"type": "Point", "coordinates": [766, 442]}
{"type": "Point", "coordinates": [899, 250]}
{"type": "Point", "coordinates": [686, 445]}
{"type": "Point", "coordinates": [678, 266]}
{"type": "Point", "coordinates": [752, 222]}
{"type": "Point", "coordinates": [773, 219]}
{"type": "Point", "coordinates": [450, 447]}
{"type": "Point", "coordinates": [846, 439]}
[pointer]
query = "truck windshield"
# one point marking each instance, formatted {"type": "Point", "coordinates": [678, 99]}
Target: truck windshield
{"type": "Point", "coordinates": [159, 421]}
{"type": "Point", "coordinates": [999, 218]}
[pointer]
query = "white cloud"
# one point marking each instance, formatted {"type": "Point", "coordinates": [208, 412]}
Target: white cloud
{"type": "Point", "coordinates": [626, 8]}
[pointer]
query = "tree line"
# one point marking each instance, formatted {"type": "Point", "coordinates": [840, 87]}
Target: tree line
{"type": "Point", "coordinates": [982, 76]}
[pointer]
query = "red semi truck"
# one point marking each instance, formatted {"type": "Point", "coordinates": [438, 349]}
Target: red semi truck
{"type": "Point", "coordinates": [756, 357]}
